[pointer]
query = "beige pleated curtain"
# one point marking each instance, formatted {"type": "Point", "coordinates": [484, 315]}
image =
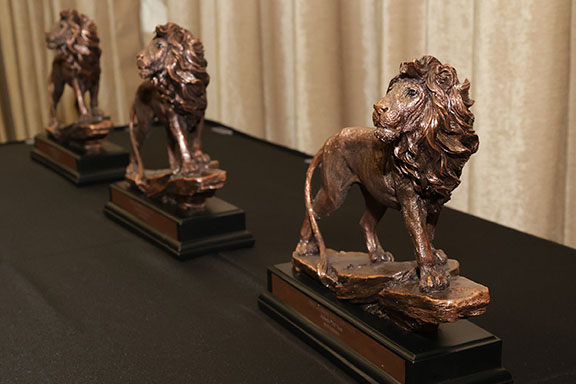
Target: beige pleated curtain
{"type": "Point", "coordinates": [296, 71]}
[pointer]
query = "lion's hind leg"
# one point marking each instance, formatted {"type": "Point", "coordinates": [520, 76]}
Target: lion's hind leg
{"type": "Point", "coordinates": [372, 215]}
{"type": "Point", "coordinates": [322, 207]}
{"type": "Point", "coordinates": [138, 133]}
{"type": "Point", "coordinates": [56, 89]}
{"type": "Point", "coordinates": [336, 181]}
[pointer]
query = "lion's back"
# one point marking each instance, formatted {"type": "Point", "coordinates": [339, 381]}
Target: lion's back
{"type": "Point", "coordinates": [353, 139]}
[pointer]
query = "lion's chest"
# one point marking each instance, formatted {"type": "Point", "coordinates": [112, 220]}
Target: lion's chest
{"type": "Point", "coordinates": [66, 69]}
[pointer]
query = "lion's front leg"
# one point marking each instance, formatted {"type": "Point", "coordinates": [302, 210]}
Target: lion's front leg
{"type": "Point", "coordinates": [84, 116]}
{"type": "Point", "coordinates": [198, 156]}
{"type": "Point", "coordinates": [173, 156]}
{"type": "Point", "coordinates": [433, 277]}
{"type": "Point", "coordinates": [96, 112]}
{"type": "Point", "coordinates": [431, 222]}
{"type": "Point", "coordinates": [187, 166]}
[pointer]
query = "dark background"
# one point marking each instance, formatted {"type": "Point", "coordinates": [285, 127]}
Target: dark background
{"type": "Point", "coordinates": [83, 300]}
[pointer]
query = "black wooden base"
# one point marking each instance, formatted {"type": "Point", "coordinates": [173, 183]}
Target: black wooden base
{"type": "Point", "coordinates": [219, 226]}
{"type": "Point", "coordinates": [374, 349]}
{"type": "Point", "coordinates": [108, 165]}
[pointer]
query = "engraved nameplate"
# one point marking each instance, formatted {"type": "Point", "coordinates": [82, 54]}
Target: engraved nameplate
{"type": "Point", "coordinates": [59, 156]}
{"type": "Point", "coordinates": [145, 213]}
{"type": "Point", "coordinates": [332, 323]}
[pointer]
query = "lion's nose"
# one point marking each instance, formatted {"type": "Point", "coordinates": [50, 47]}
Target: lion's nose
{"type": "Point", "coordinates": [380, 108]}
{"type": "Point", "coordinates": [139, 56]}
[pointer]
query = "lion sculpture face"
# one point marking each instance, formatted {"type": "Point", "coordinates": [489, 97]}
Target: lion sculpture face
{"type": "Point", "coordinates": [174, 62]}
{"type": "Point", "coordinates": [426, 117]}
{"type": "Point", "coordinates": [391, 114]}
{"type": "Point", "coordinates": [75, 36]}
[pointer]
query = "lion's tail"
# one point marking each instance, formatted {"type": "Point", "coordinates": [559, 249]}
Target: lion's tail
{"type": "Point", "coordinates": [135, 151]}
{"type": "Point", "coordinates": [311, 215]}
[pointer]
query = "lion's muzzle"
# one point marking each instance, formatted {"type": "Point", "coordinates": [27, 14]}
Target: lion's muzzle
{"type": "Point", "coordinates": [141, 64]}
{"type": "Point", "coordinates": [50, 41]}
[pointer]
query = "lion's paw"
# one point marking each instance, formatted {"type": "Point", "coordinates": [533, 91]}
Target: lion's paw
{"type": "Point", "coordinates": [433, 278]}
{"type": "Point", "coordinates": [85, 118]}
{"type": "Point", "coordinates": [307, 248]}
{"type": "Point", "coordinates": [53, 123]}
{"type": "Point", "coordinates": [440, 256]}
{"type": "Point", "coordinates": [187, 170]}
{"type": "Point", "coordinates": [379, 255]}
{"type": "Point", "coordinates": [98, 113]}
{"type": "Point", "coordinates": [201, 158]}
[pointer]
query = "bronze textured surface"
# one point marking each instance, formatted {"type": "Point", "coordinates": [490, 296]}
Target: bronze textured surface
{"type": "Point", "coordinates": [77, 64]}
{"type": "Point", "coordinates": [411, 161]}
{"type": "Point", "coordinates": [352, 276]}
{"type": "Point", "coordinates": [168, 97]}
{"type": "Point", "coordinates": [406, 305]}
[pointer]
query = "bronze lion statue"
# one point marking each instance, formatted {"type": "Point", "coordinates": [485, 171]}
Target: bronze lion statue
{"type": "Point", "coordinates": [412, 162]}
{"type": "Point", "coordinates": [173, 94]}
{"type": "Point", "coordinates": [77, 63]}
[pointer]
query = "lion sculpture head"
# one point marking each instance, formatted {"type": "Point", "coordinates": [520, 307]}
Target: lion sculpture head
{"type": "Point", "coordinates": [174, 62]}
{"type": "Point", "coordinates": [426, 117]}
{"type": "Point", "coordinates": [75, 37]}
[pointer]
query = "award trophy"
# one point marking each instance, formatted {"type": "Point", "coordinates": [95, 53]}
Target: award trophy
{"type": "Point", "coordinates": [174, 207]}
{"type": "Point", "coordinates": [385, 320]}
{"type": "Point", "coordinates": [78, 151]}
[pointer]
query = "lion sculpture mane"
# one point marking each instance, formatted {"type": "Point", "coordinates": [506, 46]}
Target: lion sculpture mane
{"type": "Point", "coordinates": [77, 63]}
{"type": "Point", "coordinates": [174, 93]}
{"type": "Point", "coordinates": [412, 161]}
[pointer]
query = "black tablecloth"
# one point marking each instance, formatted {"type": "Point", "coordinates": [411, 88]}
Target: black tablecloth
{"type": "Point", "coordinates": [83, 300]}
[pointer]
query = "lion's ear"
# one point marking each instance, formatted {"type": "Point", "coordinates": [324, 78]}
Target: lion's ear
{"type": "Point", "coordinates": [445, 77]}
{"type": "Point", "coordinates": [409, 69]}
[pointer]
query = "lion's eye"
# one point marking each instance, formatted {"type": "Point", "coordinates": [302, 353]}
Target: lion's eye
{"type": "Point", "coordinates": [159, 45]}
{"type": "Point", "coordinates": [411, 92]}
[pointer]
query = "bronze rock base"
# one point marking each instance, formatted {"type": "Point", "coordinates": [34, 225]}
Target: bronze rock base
{"type": "Point", "coordinates": [84, 136]}
{"type": "Point", "coordinates": [392, 287]}
{"type": "Point", "coordinates": [81, 168]}
{"type": "Point", "coordinates": [188, 192]}
{"type": "Point", "coordinates": [354, 277]}
{"type": "Point", "coordinates": [410, 309]}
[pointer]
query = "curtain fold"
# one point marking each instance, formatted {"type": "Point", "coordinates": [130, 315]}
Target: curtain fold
{"type": "Point", "coordinates": [297, 71]}
{"type": "Point", "coordinates": [570, 202]}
